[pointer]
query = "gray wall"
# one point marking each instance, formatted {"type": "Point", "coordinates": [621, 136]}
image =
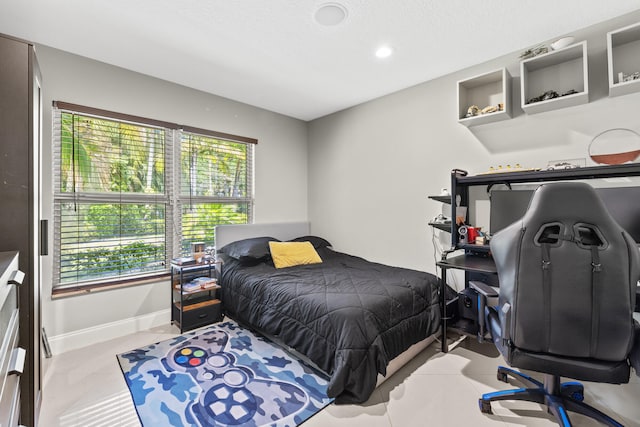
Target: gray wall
{"type": "Point", "coordinates": [361, 176]}
{"type": "Point", "coordinates": [372, 167]}
{"type": "Point", "coordinates": [280, 165]}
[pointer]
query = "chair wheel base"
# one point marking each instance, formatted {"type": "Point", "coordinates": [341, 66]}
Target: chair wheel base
{"type": "Point", "coordinates": [556, 396]}
{"type": "Point", "coordinates": [485, 406]}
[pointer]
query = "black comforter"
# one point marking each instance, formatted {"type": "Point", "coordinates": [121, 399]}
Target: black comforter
{"type": "Point", "coordinates": [348, 315]}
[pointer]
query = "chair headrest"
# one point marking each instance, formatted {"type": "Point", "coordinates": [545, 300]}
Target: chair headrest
{"type": "Point", "coordinates": [568, 203]}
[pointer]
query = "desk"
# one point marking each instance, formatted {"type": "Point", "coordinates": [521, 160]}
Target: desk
{"type": "Point", "coordinates": [624, 212]}
{"type": "Point", "coordinates": [466, 262]}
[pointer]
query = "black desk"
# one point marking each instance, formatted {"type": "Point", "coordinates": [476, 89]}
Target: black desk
{"type": "Point", "coordinates": [627, 213]}
{"type": "Point", "coordinates": [480, 264]}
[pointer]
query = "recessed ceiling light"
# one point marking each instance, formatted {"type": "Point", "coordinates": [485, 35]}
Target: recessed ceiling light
{"type": "Point", "coordinates": [384, 51]}
{"type": "Point", "coordinates": [331, 14]}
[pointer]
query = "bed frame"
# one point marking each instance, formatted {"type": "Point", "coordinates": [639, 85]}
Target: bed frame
{"type": "Point", "coordinates": [289, 230]}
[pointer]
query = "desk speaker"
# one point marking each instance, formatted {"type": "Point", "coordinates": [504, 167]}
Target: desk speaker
{"type": "Point", "coordinates": [463, 233]}
{"type": "Point", "coordinates": [468, 305]}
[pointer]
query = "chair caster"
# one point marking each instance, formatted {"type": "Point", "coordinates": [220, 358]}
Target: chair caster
{"type": "Point", "coordinates": [573, 389]}
{"type": "Point", "coordinates": [502, 376]}
{"type": "Point", "coordinates": [485, 406]}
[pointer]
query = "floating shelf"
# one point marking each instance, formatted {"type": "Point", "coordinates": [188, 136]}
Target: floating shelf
{"type": "Point", "coordinates": [441, 199]}
{"type": "Point", "coordinates": [441, 226]}
{"type": "Point", "coordinates": [489, 89]}
{"type": "Point", "coordinates": [560, 70]}
{"type": "Point", "coordinates": [623, 55]}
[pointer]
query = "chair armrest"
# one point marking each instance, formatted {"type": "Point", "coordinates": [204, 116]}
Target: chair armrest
{"type": "Point", "coordinates": [488, 292]}
{"type": "Point", "coordinates": [483, 288]}
{"type": "Point", "coordinates": [505, 322]}
{"type": "Point", "coordinates": [486, 296]}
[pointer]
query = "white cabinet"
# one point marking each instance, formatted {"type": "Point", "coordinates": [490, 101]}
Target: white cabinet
{"type": "Point", "coordinates": [492, 89]}
{"type": "Point", "coordinates": [623, 54]}
{"type": "Point", "coordinates": [563, 71]}
{"type": "Point", "coordinates": [12, 357]}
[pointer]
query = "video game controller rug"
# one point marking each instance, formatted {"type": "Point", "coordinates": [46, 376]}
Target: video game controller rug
{"type": "Point", "coordinates": [222, 375]}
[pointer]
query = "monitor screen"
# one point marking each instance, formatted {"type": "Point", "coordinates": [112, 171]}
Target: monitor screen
{"type": "Point", "coordinates": [623, 204]}
{"type": "Point", "coordinates": [507, 206]}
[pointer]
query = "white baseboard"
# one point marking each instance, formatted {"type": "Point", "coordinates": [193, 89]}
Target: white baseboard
{"type": "Point", "coordinates": [84, 337]}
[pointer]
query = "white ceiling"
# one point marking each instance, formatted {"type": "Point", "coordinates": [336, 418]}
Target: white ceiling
{"type": "Point", "coordinates": [272, 53]}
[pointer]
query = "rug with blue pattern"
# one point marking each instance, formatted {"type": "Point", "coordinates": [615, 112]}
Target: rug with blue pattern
{"type": "Point", "coordinates": [222, 375]}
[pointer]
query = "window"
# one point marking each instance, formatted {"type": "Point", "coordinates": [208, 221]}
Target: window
{"type": "Point", "coordinates": [214, 186]}
{"type": "Point", "coordinates": [121, 213]}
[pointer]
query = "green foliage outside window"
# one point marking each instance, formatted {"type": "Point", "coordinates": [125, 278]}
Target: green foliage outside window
{"type": "Point", "coordinates": [108, 220]}
{"type": "Point", "coordinates": [92, 264]}
{"type": "Point", "coordinates": [211, 167]}
{"type": "Point", "coordinates": [99, 155]}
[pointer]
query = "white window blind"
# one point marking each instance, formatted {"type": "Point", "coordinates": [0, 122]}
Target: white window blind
{"type": "Point", "coordinates": [215, 186]}
{"type": "Point", "coordinates": [128, 198]}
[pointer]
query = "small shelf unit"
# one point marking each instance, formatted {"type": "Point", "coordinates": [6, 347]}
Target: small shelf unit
{"type": "Point", "coordinates": [192, 307]}
{"type": "Point", "coordinates": [560, 70]}
{"type": "Point", "coordinates": [489, 89]}
{"type": "Point", "coordinates": [623, 57]}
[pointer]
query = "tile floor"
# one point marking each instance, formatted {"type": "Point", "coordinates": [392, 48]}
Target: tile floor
{"type": "Point", "coordinates": [85, 388]}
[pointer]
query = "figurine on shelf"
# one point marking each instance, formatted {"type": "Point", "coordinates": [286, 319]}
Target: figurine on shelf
{"type": "Point", "coordinates": [534, 51]}
{"type": "Point", "coordinates": [473, 111]}
{"type": "Point", "coordinates": [561, 165]}
{"type": "Point", "coordinates": [489, 109]}
{"type": "Point", "coordinates": [551, 94]}
{"type": "Point", "coordinates": [622, 77]}
{"type": "Point", "coordinates": [508, 168]}
{"type": "Point", "coordinates": [210, 253]}
{"type": "Point", "coordinates": [569, 92]}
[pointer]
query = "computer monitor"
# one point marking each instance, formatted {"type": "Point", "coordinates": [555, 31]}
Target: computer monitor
{"type": "Point", "coordinates": [623, 204]}
{"type": "Point", "coordinates": [507, 206]}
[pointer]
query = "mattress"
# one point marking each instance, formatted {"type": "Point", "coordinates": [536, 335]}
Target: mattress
{"type": "Point", "coordinates": [349, 316]}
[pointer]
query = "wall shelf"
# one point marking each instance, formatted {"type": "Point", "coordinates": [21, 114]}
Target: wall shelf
{"type": "Point", "coordinates": [560, 70]}
{"type": "Point", "coordinates": [623, 57]}
{"type": "Point", "coordinates": [489, 89]}
{"type": "Point", "coordinates": [441, 226]}
{"type": "Point", "coordinates": [442, 199]}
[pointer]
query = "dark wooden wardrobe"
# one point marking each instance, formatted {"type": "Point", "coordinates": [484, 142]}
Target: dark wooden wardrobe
{"type": "Point", "coordinates": [20, 139]}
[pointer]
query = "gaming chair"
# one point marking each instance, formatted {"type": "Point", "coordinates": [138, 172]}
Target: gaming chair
{"type": "Point", "coordinates": [568, 275]}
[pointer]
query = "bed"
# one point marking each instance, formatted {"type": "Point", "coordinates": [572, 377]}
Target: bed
{"type": "Point", "coordinates": [356, 320]}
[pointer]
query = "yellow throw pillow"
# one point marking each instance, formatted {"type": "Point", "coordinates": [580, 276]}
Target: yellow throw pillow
{"type": "Point", "coordinates": [289, 254]}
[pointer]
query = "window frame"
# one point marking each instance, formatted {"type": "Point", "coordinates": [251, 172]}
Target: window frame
{"type": "Point", "coordinates": [171, 198]}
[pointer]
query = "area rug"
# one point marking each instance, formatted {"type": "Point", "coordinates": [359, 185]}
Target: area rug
{"type": "Point", "coordinates": [222, 375]}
